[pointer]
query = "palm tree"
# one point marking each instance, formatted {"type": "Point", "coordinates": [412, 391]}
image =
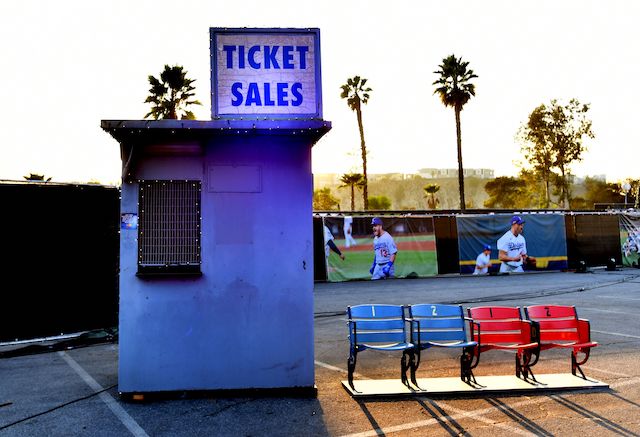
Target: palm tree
{"type": "Point", "coordinates": [36, 177]}
{"type": "Point", "coordinates": [356, 94]}
{"type": "Point", "coordinates": [352, 180]}
{"type": "Point", "coordinates": [455, 90]}
{"type": "Point", "coordinates": [432, 200]}
{"type": "Point", "coordinates": [171, 94]}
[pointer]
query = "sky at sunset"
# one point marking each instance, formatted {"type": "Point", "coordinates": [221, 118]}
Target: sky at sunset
{"type": "Point", "coordinates": [66, 65]}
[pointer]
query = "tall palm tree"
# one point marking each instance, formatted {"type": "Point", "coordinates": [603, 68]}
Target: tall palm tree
{"type": "Point", "coordinates": [36, 177]}
{"type": "Point", "coordinates": [171, 94]}
{"type": "Point", "coordinates": [356, 94]}
{"type": "Point", "coordinates": [352, 180]}
{"type": "Point", "coordinates": [455, 90]}
{"type": "Point", "coordinates": [432, 200]}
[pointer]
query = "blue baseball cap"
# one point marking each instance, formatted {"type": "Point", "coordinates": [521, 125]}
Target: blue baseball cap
{"type": "Point", "coordinates": [486, 247]}
{"type": "Point", "coordinates": [516, 220]}
{"type": "Point", "coordinates": [376, 221]}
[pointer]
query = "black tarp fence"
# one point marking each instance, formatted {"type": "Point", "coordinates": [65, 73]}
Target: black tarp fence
{"type": "Point", "coordinates": [60, 252]}
{"type": "Point", "coordinates": [61, 248]}
{"type": "Point", "coordinates": [593, 238]}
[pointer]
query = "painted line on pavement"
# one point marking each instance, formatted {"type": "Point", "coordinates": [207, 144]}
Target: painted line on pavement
{"type": "Point", "coordinates": [462, 415]}
{"type": "Point", "coordinates": [473, 415]}
{"type": "Point", "coordinates": [625, 383]}
{"type": "Point", "coordinates": [608, 372]}
{"type": "Point", "coordinates": [617, 297]}
{"type": "Point", "coordinates": [113, 405]}
{"type": "Point", "coordinates": [618, 334]}
{"type": "Point", "coordinates": [476, 414]}
{"type": "Point", "coordinates": [598, 310]}
{"type": "Point", "coordinates": [338, 369]}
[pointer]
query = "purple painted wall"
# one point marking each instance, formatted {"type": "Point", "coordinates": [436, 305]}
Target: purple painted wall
{"type": "Point", "coordinates": [247, 322]}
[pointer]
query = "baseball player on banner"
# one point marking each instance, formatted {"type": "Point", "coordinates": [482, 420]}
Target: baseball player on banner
{"type": "Point", "coordinates": [512, 248]}
{"type": "Point", "coordinates": [385, 251]}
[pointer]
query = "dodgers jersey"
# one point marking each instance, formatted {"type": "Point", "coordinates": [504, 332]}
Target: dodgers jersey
{"type": "Point", "coordinates": [482, 260]}
{"type": "Point", "coordinates": [384, 247]}
{"type": "Point", "coordinates": [514, 246]}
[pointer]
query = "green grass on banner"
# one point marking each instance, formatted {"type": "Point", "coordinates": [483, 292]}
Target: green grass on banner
{"type": "Point", "coordinates": [357, 264]}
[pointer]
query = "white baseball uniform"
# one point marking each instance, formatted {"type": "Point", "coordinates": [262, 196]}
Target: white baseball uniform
{"type": "Point", "coordinates": [513, 246]}
{"type": "Point", "coordinates": [383, 247]}
{"type": "Point", "coordinates": [327, 236]}
{"type": "Point", "coordinates": [482, 260]}
{"type": "Point", "coordinates": [347, 227]}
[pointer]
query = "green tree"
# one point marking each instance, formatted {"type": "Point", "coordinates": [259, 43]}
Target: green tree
{"type": "Point", "coordinates": [634, 192]}
{"type": "Point", "coordinates": [534, 189]}
{"type": "Point", "coordinates": [432, 200]}
{"type": "Point", "coordinates": [553, 139]}
{"type": "Point", "coordinates": [323, 200]}
{"type": "Point", "coordinates": [599, 191]}
{"type": "Point", "coordinates": [634, 189]}
{"type": "Point", "coordinates": [538, 152]}
{"type": "Point", "coordinates": [171, 94]}
{"type": "Point", "coordinates": [379, 202]}
{"type": "Point", "coordinates": [455, 90]}
{"type": "Point", "coordinates": [506, 192]}
{"type": "Point", "coordinates": [357, 95]}
{"type": "Point", "coordinates": [578, 203]}
{"type": "Point", "coordinates": [352, 180]}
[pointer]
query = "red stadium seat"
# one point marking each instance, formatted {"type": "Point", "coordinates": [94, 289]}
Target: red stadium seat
{"type": "Point", "coordinates": [502, 328]}
{"type": "Point", "coordinates": [560, 327]}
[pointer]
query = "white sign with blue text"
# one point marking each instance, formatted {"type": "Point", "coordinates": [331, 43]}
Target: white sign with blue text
{"type": "Point", "coordinates": [260, 73]}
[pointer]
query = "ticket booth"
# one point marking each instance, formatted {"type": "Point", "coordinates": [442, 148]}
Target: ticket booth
{"type": "Point", "coordinates": [216, 244]}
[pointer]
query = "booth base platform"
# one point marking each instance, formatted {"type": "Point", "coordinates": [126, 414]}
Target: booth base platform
{"type": "Point", "coordinates": [486, 385]}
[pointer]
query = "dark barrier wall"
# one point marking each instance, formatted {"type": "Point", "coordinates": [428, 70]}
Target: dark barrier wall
{"type": "Point", "coordinates": [320, 267]}
{"type": "Point", "coordinates": [60, 249]}
{"type": "Point", "coordinates": [446, 230]}
{"type": "Point", "coordinates": [593, 238]}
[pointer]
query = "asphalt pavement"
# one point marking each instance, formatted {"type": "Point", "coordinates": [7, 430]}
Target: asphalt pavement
{"type": "Point", "coordinates": [74, 391]}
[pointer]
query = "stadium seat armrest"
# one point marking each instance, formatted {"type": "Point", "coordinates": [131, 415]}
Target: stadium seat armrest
{"type": "Point", "coordinates": [535, 331]}
{"type": "Point", "coordinates": [473, 335]}
{"type": "Point", "coordinates": [584, 331]}
{"type": "Point", "coordinates": [529, 331]}
{"type": "Point", "coordinates": [352, 331]}
{"type": "Point", "coordinates": [417, 323]}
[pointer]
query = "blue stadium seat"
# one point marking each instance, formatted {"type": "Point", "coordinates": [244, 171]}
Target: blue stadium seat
{"type": "Point", "coordinates": [435, 325]}
{"type": "Point", "coordinates": [381, 328]}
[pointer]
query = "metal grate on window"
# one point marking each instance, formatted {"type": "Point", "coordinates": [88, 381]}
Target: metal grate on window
{"type": "Point", "coordinates": [169, 227]}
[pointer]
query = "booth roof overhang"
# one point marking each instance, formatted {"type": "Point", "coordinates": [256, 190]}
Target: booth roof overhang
{"type": "Point", "coordinates": [148, 131]}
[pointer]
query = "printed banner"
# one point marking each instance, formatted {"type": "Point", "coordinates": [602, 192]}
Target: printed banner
{"type": "Point", "coordinates": [543, 235]}
{"type": "Point", "coordinates": [630, 239]}
{"type": "Point", "coordinates": [413, 237]}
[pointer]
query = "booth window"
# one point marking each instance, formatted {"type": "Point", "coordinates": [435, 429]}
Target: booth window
{"type": "Point", "coordinates": [169, 227]}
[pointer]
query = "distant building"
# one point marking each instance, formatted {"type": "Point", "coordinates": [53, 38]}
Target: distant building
{"type": "Point", "coordinates": [392, 176]}
{"type": "Point", "coordinates": [581, 179]}
{"type": "Point", "coordinates": [436, 173]}
{"type": "Point", "coordinates": [331, 179]}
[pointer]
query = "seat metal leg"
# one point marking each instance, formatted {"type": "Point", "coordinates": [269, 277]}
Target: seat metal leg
{"type": "Point", "coordinates": [576, 366]}
{"type": "Point", "coordinates": [466, 359]}
{"type": "Point", "coordinates": [351, 367]}
{"type": "Point", "coordinates": [405, 364]}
